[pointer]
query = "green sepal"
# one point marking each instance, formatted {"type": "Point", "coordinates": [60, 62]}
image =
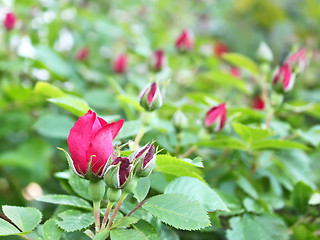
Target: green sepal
{"type": "Point", "coordinates": [70, 162]}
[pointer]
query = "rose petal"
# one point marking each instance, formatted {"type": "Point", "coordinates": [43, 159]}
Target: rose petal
{"type": "Point", "coordinates": [79, 139]}
{"type": "Point", "coordinates": [213, 114]}
{"type": "Point", "coordinates": [152, 92]}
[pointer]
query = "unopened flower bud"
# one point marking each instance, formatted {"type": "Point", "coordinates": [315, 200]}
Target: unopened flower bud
{"type": "Point", "coordinates": [82, 54]}
{"type": "Point", "coordinates": [120, 64]}
{"type": "Point", "coordinates": [283, 81]}
{"type": "Point", "coordinates": [220, 49]}
{"type": "Point", "coordinates": [264, 53]}
{"type": "Point", "coordinates": [158, 60]}
{"type": "Point", "coordinates": [144, 159]}
{"type": "Point", "coordinates": [9, 21]}
{"type": "Point", "coordinates": [150, 97]}
{"type": "Point", "coordinates": [185, 41]}
{"type": "Point", "coordinates": [119, 173]}
{"type": "Point", "coordinates": [217, 117]}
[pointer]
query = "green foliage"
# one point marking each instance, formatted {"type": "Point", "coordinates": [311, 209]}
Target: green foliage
{"type": "Point", "coordinates": [148, 231]}
{"type": "Point", "coordinates": [65, 200]}
{"type": "Point", "coordinates": [196, 190]}
{"type": "Point", "coordinates": [178, 211]}
{"type": "Point", "coordinates": [51, 231]}
{"type": "Point", "coordinates": [242, 62]}
{"type": "Point", "coordinates": [73, 220]}
{"type": "Point", "coordinates": [25, 218]}
{"type": "Point", "coordinates": [300, 196]}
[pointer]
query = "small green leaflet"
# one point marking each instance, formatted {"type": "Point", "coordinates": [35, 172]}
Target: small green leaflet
{"type": "Point", "coordinates": [300, 196]}
{"type": "Point", "coordinates": [73, 220]}
{"type": "Point", "coordinates": [65, 200]}
{"type": "Point", "coordinates": [7, 229]}
{"type": "Point", "coordinates": [147, 230]}
{"type": "Point", "coordinates": [26, 218]}
{"type": "Point", "coordinates": [51, 231]}
{"type": "Point", "coordinates": [124, 234]}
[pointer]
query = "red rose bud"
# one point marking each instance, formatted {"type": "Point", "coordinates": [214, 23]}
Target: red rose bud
{"type": "Point", "coordinates": [216, 116]}
{"type": "Point", "coordinates": [90, 145]}
{"type": "Point", "coordinates": [185, 41]}
{"type": "Point", "coordinates": [120, 64]}
{"type": "Point", "coordinates": [82, 54]}
{"type": "Point", "coordinates": [284, 79]}
{"type": "Point", "coordinates": [258, 103]}
{"type": "Point", "coordinates": [220, 49]}
{"type": "Point", "coordinates": [234, 71]}
{"type": "Point", "coordinates": [298, 60]}
{"type": "Point", "coordinates": [150, 97]}
{"type": "Point", "coordinates": [144, 159]}
{"type": "Point", "coordinates": [119, 173]}
{"type": "Point", "coordinates": [10, 21]}
{"type": "Point", "coordinates": [158, 60]}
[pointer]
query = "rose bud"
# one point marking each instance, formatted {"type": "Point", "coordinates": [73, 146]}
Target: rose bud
{"type": "Point", "coordinates": [82, 54]}
{"type": "Point", "coordinates": [150, 97]}
{"type": "Point", "coordinates": [119, 173]}
{"type": "Point", "coordinates": [10, 21]}
{"type": "Point", "coordinates": [258, 103]}
{"type": "Point", "coordinates": [158, 60]}
{"type": "Point", "coordinates": [264, 53]}
{"type": "Point", "coordinates": [234, 71]}
{"type": "Point", "coordinates": [220, 49]}
{"type": "Point", "coordinates": [144, 159]}
{"type": "Point", "coordinates": [185, 41]}
{"type": "Point", "coordinates": [120, 64]}
{"type": "Point", "coordinates": [216, 116]}
{"type": "Point", "coordinates": [90, 145]}
{"type": "Point", "coordinates": [298, 61]}
{"type": "Point", "coordinates": [284, 79]}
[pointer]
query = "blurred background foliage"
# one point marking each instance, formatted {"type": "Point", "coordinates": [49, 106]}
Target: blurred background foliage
{"type": "Point", "coordinates": [39, 73]}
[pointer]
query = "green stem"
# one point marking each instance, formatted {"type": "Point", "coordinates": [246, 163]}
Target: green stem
{"type": "Point", "coordinates": [269, 117]}
{"type": "Point", "coordinates": [116, 210]}
{"type": "Point", "coordinates": [106, 215]}
{"type": "Point", "coordinates": [138, 137]}
{"type": "Point", "coordinates": [96, 209]}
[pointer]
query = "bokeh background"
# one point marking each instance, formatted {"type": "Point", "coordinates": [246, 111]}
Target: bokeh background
{"type": "Point", "coordinates": [44, 47]}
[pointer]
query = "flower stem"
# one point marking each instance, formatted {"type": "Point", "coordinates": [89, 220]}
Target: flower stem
{"type": "Point", "coordinates": [137, 207]}
{"type": "Point", "coordinates": [116, 210]}
{"type": "Point", "coordinates": [106, 215]}
{"type": "Point", "coordinates": [269, 118]}
{"type": "Point", "coordinates": [138, 138]}
{"type": "Point", "coordinates": [96, 210]}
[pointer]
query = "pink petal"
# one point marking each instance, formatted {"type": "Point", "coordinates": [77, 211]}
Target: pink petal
{"type": "Point", "coordinates": [101, 146]}
{"type": "Point", "coordinates": [115, 127]}
{"type": "Point", "coordinates": [79, 139]}
{"type": "Point", "coordinates": [152, 92]}
{"type": "Point", "coordinates": [148, 156]}
{"type": "Point", "coordinates": [213, 114]}
{"type": "Point", "coordinates": [286, 76]}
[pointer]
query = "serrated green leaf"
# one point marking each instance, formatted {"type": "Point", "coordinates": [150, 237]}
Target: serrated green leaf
{"type": "Point", "coordinates": [196, 190]}
{"type": "Point", "coordinates": [142, 189]}
{"type": "Point", "coordinates": [51, 231]}
{"type": "Point", "coordinates": [300, 196]}
{"type": "Point", "coordinates": [79, 185]}
{"type": "Point", "coordinates": [65, 200]}
{"type": "Point", "coordinates": [123, 234]}
{"type": "Point", "coordinates": [147, 230]}
{"type": "Point", "coordinates": [257, 227]}
{"type": "Point", "coordinates": [26, 218]}
{"type": "Point", "coordinates": [241, 61]}
{"type": "Point", "coordinates": [277, 144]}
{"type": "Point", "coordinates": [73, 104]}
{"type": "Point", "coordinates": [312, 135]}
{"type": "Point", "coordinates": [73, 220]}
{"type": "Point", "coordinates": [124, 222]}
{"type": "Point", "coordinates": [7, 229]}
{"type": "Point", "coordinates": [176, 167]}
{"type": "Point", "coordinates": [178, 211]}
